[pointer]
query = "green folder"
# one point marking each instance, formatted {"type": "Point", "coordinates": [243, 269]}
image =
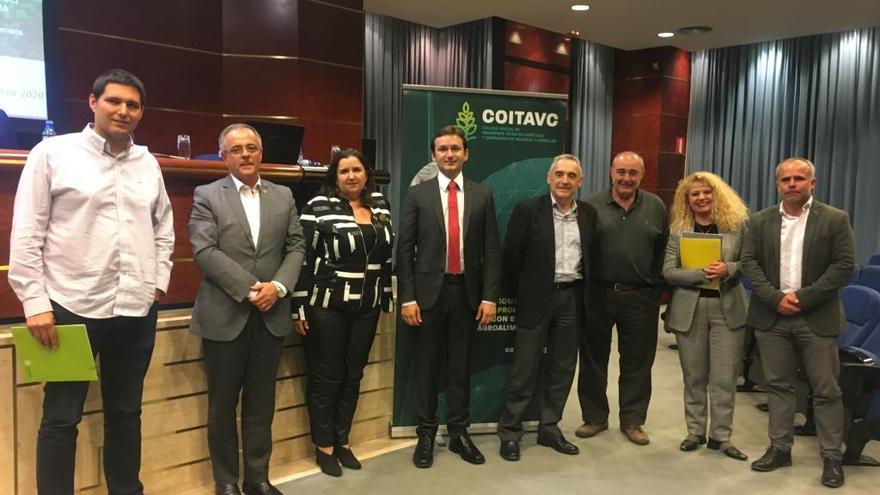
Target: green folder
{"type": "Point", "coordinates": [71, 361]}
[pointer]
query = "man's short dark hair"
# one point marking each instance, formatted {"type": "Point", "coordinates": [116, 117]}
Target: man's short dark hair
{"type": "Point", "coordinates": [118, 76]}
{"type": "Point", "coordinates": [450, 130]}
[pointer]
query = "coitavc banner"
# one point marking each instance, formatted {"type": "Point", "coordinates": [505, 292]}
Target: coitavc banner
{"type": "Point", "coordinates": [512, 140]}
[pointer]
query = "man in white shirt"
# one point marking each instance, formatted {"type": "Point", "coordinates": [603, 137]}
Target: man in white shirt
{"type": "Point", "coordinates": [91, 243]}
{"type": "Point", "coordinates": [247, 240]}
{"type": "Point", "coordinates": [797, 256]}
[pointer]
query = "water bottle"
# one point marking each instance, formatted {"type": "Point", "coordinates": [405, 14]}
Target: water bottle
{"type": "Point", "coordinates": [49, 130]}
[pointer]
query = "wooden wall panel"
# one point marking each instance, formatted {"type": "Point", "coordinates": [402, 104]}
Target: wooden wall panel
{"type": "Point", "coordinates": [537, 45]}
{"type": "Point", "coordinates": [261, 28]}
{"type": "Point", "coordinates": [193, 24]}
{"type": "Point", "coordinates": [292, 88]}
{"type": "Point", "coordinates": [173, 78]}
{"type": "Point", "coordinates": [7, 420]}
{"type": "Point", "coordinates": [8, 185]}
{"type": "Point", "coordinates": [343, 45]}
{"type": "Point", "coordinates": [651, 105]}
{"type": "Point", "coordinates": [525, 78]}
{"type": "Point", "coordinates": [202, 70]}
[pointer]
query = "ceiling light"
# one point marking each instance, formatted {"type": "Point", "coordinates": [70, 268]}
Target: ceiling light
{"type": "Point", "coordinates": [575, 32]}
{"type": "Point", "coordinates": [579, 7]}
{"type": "Point", "coordinates": [665, 35]}
{"type": "Point", "coordinates": [693, 30]}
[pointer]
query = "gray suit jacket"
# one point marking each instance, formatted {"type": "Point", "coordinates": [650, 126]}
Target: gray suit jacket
{"type": "Point", "coordinates": [224, 250]}
{"type": "Point", "coordinates": [827, 266]}
{"type": "Point", "coordinates": [680, 311]}
{"type": "Point", "coordinates": [421, 245]}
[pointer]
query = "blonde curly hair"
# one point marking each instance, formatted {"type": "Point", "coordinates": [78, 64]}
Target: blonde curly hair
{"type": "Point", "coordinates": [729, 211]}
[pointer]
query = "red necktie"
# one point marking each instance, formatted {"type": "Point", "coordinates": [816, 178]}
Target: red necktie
{"type": "Point", "coordinates": [453, 259]}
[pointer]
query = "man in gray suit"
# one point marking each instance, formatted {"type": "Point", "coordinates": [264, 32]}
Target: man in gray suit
{"type": "Point", "coordinates": [797, 257]}
{"type": "Point", "coordinates": [448, 268]}
{"type": "Point", "coordinates": [247, 239]}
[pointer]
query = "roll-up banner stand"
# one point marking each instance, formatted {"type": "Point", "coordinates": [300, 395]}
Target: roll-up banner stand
{"type": "Point", "coordinates": [512, 139]}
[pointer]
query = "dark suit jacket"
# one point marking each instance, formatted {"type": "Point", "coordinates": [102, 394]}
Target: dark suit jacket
{"type": "Point", "coordinates": [827, 266]}
{"type": "Point", "coordinates": [421, 245]}
{"type": "Point", "coordinates": [223, 249]}
{"type": "Point", "coordinates": [530, 254]}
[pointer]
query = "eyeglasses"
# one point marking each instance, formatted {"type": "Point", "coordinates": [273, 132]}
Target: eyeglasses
{"type": "Point", "coordinates": [239, 149]}
{"type": "Point", "coordinates": [440, 150]}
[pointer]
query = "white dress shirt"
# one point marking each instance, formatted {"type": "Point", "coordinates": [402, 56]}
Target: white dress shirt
{"type": "Point", "coordinates": [90, 231]}
{"type": "Point", "coordinates": [250, 201]}
{"type": "Point", "coordinates": [567, 242]}
{"type": "Point", "coordinates": [791, 246]}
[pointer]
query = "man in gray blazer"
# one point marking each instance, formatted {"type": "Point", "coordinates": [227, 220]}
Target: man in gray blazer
{"type": "Point", "coordinates": [248, 242]}
{"type": "Point", "coordinates": [448, 270]}
{"type": "Point", "coordinates": [797, 257]}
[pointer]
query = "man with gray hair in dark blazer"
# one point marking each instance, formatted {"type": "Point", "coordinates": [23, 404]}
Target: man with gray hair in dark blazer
{"type": "Point", "coordinates": [797, 256]}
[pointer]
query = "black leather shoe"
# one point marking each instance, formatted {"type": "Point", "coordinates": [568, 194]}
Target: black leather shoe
{"type": "Point", "coordinates": [729, 450]}
{"type": "Point", "coordinates": [773, 458]}
{"type": "Point", "coordinates": [559, 444]}
{"type": "Point", "coordinates": [510, 450]}
{"type": "Point", "coordinates": [464, 447]}
{"type": "Point", "coordinates": [832, 473]}
{"type": "Point", "coordinates": [227, 489]}
{"type": "Point", "coordinates": [691, 442]}
{"type": "Point", "coordinates": [328, 463]}
{"type": "Point", "coordinates": [423, 457]}
{"type": "Point", "coordinates": [263, 488]}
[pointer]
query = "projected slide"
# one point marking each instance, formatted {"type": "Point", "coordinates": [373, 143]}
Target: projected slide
{"type": "Point", "coordinates": [23, 84]}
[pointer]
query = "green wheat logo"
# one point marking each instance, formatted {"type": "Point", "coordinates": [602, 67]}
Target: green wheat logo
{"type": "Point", "coordinates": [466, 121]}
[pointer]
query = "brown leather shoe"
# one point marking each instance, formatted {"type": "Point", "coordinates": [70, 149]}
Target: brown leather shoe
{"type": "Point", "coordinates": [636, 434]}
{"type": "Point", "coordinates": [588, 430]}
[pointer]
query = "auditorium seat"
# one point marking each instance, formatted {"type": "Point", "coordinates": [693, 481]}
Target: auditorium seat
{"type": "Point", "coordinates": [870, 277]}
{"type": "Point", "coordinates": [861, 306]}
{"type": "Point", "coordinates": [875, 260]}
{"type": "Point", "coordinates": [860, 384]}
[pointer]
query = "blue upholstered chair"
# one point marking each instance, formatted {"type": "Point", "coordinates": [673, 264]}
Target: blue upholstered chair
{"type": "Point", "coordinates": [7, 137]}
{"type": "Point", "coordinates": [870, 277]}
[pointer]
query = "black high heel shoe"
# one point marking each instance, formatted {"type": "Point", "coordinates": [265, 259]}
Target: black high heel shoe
{"type": "Point", "coordinates": [328, 463]}
{"type": "Point", "coordinates": [346, 457]}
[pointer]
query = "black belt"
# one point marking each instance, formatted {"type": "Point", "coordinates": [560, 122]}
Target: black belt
{"type": "Point", "coordinates": [621, 287]}
{"type": "Point", "coordinates": [566, 285]}
{"type": "Point", "coordinates": [453, 279]}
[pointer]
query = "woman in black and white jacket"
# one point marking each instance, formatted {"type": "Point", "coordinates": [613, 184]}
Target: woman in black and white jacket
{"type": "Point", "coordinates": [344, 283]}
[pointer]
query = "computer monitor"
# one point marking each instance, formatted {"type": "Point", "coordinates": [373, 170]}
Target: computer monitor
{"type": "Point", "coordinates": [281, 142]}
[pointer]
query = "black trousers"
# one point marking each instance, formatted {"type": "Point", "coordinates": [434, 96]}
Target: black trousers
{"type": "Point", "coordinates": [124, 346]}
{"type": "Point", "coordinates": [337, 348]}
{"type": "Point", "coordinates": [635, 312]}
{"type": "Point", "coordinates": [445, 343]}
{"type": "Point", "coordinates": [559, 330]}
{"type": "Point", "coordinates": [246, 366]}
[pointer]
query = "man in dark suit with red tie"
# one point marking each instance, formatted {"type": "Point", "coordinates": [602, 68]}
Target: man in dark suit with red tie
{"type": "Point", "coordinates": [448, 268]}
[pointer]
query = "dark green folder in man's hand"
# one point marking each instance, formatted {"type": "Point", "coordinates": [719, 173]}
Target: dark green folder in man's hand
{"type": "Point", "coordinates": [70, 361]}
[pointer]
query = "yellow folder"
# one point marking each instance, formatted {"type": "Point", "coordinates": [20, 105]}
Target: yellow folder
{"type": "Point", "coordinates": [699, 251]}
{"type": "Point", "coordinates": [71, 361]}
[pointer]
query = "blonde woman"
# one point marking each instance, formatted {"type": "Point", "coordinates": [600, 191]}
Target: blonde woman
{"type": "Point", "coordinates": [707, 323]}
